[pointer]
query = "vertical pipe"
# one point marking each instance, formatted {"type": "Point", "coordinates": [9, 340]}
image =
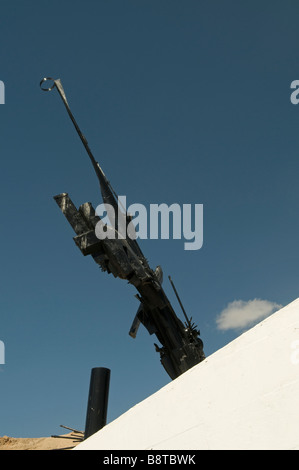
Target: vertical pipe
{"type": "Point", "coordinates": [96, 414]}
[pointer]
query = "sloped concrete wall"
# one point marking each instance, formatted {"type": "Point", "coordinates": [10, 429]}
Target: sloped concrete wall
{"type": "Point", "coordinates": [244, 396]}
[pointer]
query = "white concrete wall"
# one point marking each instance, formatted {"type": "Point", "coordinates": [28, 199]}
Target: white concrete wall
{"type": "Point", "coordinates": [244, 396]}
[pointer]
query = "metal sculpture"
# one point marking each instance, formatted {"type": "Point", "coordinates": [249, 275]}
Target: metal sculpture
{"type": "Point", "coordinates": [181, 347]}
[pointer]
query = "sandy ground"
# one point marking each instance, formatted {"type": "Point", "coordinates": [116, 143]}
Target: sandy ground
{"type": "Point", "coordinates": [63, 442]}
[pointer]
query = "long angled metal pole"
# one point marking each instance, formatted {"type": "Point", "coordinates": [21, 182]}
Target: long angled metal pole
{"type": "Point", "coordinates": [103, 180]}
{"type": "Point", "coordinates": [179, 300]}
{"type": "Point", "coordinates": [58, 85]}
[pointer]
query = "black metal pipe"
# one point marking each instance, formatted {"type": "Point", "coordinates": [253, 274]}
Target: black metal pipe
{"type": "Point", "coordinates": [96, 415]}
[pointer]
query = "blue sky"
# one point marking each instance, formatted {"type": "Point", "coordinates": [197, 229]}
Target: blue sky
{"type": "Point", "coordinates": [181, 102]}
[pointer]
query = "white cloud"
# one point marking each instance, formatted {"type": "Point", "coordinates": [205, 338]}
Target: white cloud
{"type": "Point", "coordinates": [241, 314]}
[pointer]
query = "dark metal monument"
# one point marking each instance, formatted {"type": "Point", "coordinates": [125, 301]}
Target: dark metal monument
{"type": "Point", "coordinates": [181, 347]}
